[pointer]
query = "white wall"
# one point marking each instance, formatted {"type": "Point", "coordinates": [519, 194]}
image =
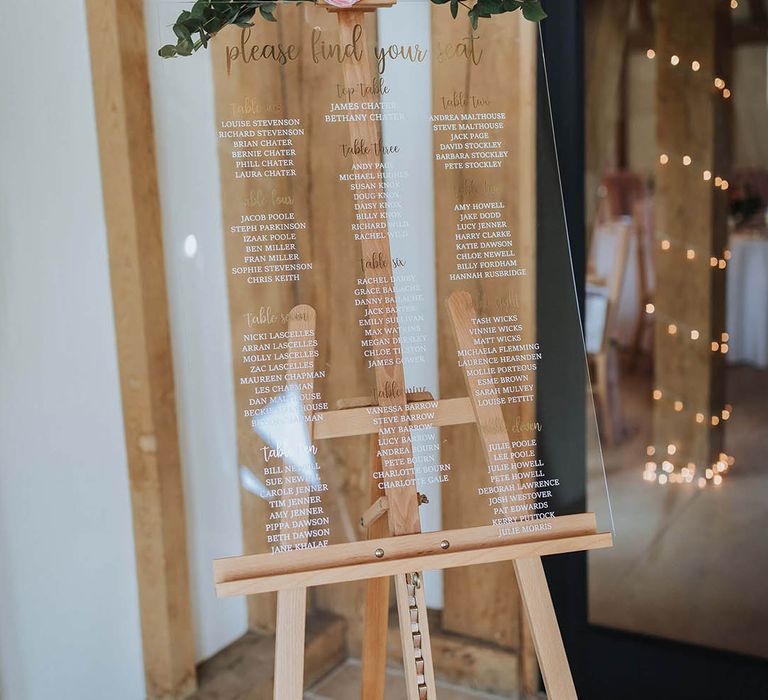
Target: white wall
{"type": "Point", "coordinates": [69, 626]}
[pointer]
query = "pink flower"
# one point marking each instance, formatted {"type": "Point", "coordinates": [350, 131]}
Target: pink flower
{"type": "Point", "coordinates": [341, 3]}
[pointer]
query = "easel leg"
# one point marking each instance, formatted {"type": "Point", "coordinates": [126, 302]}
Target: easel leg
{"type": "Point", "coordinates": [375, 638]}
{"type": "Point", "coordinates": [376, 606]}
{"type": "Point", "coordinates": [546, 633]}
{"type": "Point", "coordinates": [289, 644]}
{"type": "Point", "coordinates": [414, 635]}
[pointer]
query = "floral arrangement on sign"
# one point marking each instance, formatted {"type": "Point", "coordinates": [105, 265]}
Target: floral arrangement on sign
{"type": "Point", "coordinates": [208, 17]}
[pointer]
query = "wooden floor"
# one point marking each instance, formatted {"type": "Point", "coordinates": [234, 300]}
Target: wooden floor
{"type": "Point", "coordinates": [244, 669]}
{"type": "Point", "coordinates": [689, 565]}
{"type": "Point", "coordinates": [344, 684]}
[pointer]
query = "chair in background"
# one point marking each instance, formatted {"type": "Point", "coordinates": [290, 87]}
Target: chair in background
{"type": "Point", "coordinates": [618, 193]}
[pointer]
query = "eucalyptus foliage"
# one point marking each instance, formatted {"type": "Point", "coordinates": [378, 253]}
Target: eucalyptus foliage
{"type": "Point", "coordinates": [196, 27]}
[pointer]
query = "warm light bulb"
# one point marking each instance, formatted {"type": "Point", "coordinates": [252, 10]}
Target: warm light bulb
{"type": "Point", "coordinates": [721, 264]}
{"type": "Point", "coordinates": [734, 4]}
{"type": "Point", "coordinates": [687, 160]}
{"type": "Point", "coordinates": [727, 254]}
{"type": "Point", "coordinates": [678, 406]}
{"type": "Point", "coordinates": [707, 175]}
{"type": "Point", "coordinates": [650, 451]}
{"type": "Point", "coordinates": [672, 329]}
{"type": "Point", "coordinates": [649, 308]}
{"type": "Point", "coordinates": [719, 83]}
{"type": "Point", "coordinates": [695, 66]}
{"type": "Point", "coordinates": [671, 449]}
{"type": "Point", "coordinates": [657, 394]}
{"type": "Point", "coordinates": [724, 348]}
{"type": "Point", "coordinates": [699, 417]}
{"type": "Point", "coordinates": [725, 414]}
{"type": "Point", "coordinates": [674, 59]}
{"type": "Point", "coordinates": [650, 53]}
{"type": "Point", "coordinates": [718, 181]}
{"type": "Point", "coordinates": [724, 337]}
{"type": "Point", "coordinates": [718, 480]}
{"type": "Point", "coordinates": [715, 420]}
{"type": "Point", "coordinates": [724, 185]}
{"type": "Point", "coordinates": [709, 473]}
{"type": "Point", "coordinates": [662, 479]}
{"type": "Point", "coordinates": [694, 335]}
{"type": "Point", "coordinates": [690, 253]}
{"type": "Point", "coordinates": [713, 262]}
{"type": "Point", "coordinates": [726, 93]}
{"type": "Point", "coordinates": [663, 159]}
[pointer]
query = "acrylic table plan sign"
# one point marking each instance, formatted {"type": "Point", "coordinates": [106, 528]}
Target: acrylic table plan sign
{"type": "Point", "coordinates": [397, 547]}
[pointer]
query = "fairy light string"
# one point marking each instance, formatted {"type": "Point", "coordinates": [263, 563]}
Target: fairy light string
{"type": "Point", "coordinates": [659, 467]}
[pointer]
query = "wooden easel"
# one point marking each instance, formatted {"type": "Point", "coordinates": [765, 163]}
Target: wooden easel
{"type": "Point", "coordinates": [396, 546]}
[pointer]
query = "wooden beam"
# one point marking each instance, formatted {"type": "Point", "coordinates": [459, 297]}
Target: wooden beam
{"type": "Point", "coordinates": [245, 668]}
{"type": "Point", "coordinates": [132, 211]}
{"type": "Point", "coordinates": [689, 292]}
{"type": "Point", "coordinates": [606, 26]}
{"type": "Point", "coordinates": [297, 90]}
{"type": "Point", "coordinates": [492, 613]}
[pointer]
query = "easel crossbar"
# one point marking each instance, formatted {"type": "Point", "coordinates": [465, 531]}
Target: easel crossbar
{"type": "Point", "coordinates": [347, 422]}
{"type": "Point", "coordinates": [354, 561]}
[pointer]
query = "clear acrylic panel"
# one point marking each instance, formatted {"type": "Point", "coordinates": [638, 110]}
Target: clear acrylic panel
{"type": "Point", "coordinates": [382, 257]}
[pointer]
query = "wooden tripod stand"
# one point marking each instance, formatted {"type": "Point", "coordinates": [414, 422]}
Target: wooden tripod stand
{"type": "Point", "coordinates": [397, 547]}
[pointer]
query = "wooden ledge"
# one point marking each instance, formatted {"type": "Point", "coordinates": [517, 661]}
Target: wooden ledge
{"type": "Point", "coordinates": [354, 561]}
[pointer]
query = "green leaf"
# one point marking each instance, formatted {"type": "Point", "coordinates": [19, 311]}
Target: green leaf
{"type": "Point", "coordinates": [454, 8]}
{"type": "Point", "coordinates": [267, 14]}
{"type": "Point", "coordinates": [473, 17]}
{"type": "Point", "coordinates": [183, 49]}
{"type": "Point", "coordinates": [512, 5]}
{"type": "Point", "coordinates": [489, 7]}
{"type": "Point", "coordinates": [442, 2]}
{"type": "Point", "coordinates": [168, 51]}
{"type": "Point", "coordinates": [533, 11]}
{"type": "Point", "coordinates": [185, 36]}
